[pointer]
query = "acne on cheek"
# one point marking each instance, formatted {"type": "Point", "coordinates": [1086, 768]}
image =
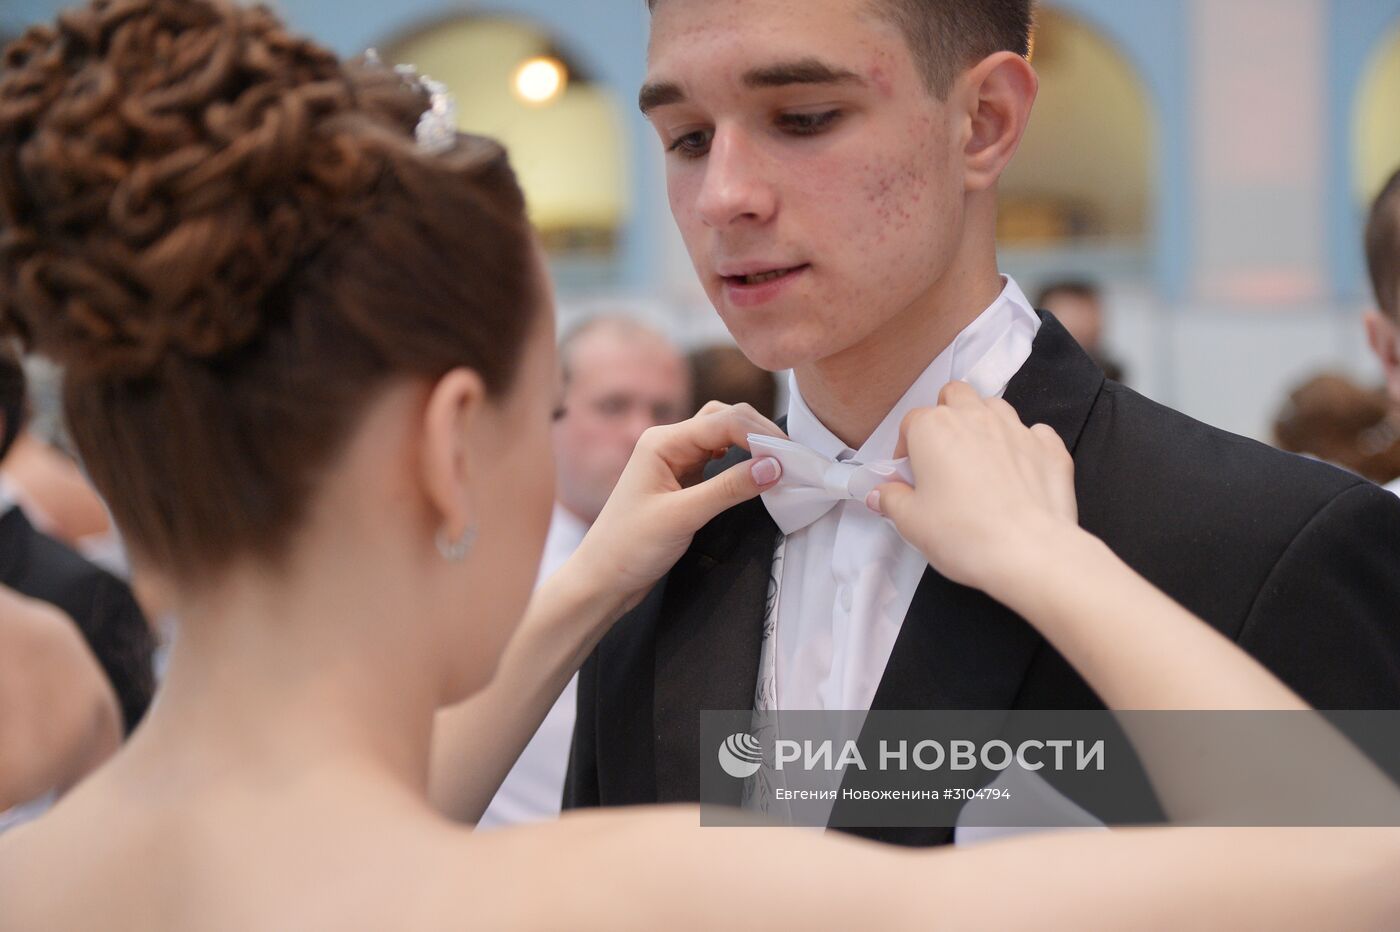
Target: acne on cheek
{"type": "Point", "coordinates": [897, 193]}
{"type": "Point", "coordinates": [898, 187]}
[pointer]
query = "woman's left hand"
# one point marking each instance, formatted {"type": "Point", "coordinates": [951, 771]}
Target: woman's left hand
{"type": "Point", "coordinates": [661, 500]}
{"type": "Point", "coordinates": [988, 492]}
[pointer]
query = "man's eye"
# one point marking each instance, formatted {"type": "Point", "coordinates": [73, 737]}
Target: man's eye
{"type": "Point", "coordinates": [692, 145]}
{"type": "Point", "coordinates": [808, 124]}
{"type": "Point", "coordinates": [612, 407]}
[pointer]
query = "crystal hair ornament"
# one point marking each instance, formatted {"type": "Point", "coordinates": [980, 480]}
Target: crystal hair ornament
{"type": "Point", "coordinates": [436, 131]}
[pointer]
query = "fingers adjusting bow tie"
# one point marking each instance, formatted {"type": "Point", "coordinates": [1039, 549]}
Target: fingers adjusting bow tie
{"type": "Point", "coordinates": [813, 483]}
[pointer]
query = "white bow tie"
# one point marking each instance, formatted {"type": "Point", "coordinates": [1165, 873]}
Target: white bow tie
{"type": "Point", "coordinates": [813, 483]}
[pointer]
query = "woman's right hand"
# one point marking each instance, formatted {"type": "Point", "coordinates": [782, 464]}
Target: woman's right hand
{"type": "Point", "coordinates": [989, 493]}
{"type": "Point", "coordinates": [663, 498]}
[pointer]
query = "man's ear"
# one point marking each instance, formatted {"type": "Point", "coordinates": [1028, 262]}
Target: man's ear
{"type": "Point", "coordinates": [997, 95]}
{"type": "Point", "coordinates": [1384, 337]}
{"type": "Point", "coordinates": [449, 464]}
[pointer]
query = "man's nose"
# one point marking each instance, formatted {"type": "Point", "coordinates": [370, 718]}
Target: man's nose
{"type": "Point", "coordinates": [736, 188]}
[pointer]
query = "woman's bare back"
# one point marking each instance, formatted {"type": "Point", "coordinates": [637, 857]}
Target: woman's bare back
{"type": "Point", "coordinates": [237, 857]}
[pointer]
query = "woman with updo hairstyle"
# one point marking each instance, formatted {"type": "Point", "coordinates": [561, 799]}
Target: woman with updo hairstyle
{"type": "Point", "coordinates": [309, 362]}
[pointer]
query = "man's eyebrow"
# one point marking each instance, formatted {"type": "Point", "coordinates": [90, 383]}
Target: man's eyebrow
{"type": "Point", "coordinates": [659, 94]}
{"type": "Point", "coordinates": [781, 74]}
{"type": "Point", "coordinates": [800, 71]}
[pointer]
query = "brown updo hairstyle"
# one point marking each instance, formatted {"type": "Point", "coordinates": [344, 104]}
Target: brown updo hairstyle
{"type": "Point", "coordinates": [230, 240]}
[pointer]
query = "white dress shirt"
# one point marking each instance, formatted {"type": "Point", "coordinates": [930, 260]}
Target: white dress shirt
{"type": "Point", "coordinates": [846, 580]}
{"type": "Point", "coordinates": [534, 788]}
{"type": "Point", "coordinates": [1394, 487]}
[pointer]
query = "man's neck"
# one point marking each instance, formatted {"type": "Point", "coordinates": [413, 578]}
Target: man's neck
{"type": "Point", "coordinates": [852, 391]}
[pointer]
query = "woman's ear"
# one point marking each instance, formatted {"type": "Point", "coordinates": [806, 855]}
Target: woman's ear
{"type": "Point", "coordinates": [454, 407]}
{"type": "Point", "coordinates": [998, 94]}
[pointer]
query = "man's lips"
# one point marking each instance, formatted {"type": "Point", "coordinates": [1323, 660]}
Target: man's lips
{"type": "Point", "coordinates": [760, 275]}
{"type": "Point", "coordinates": [757, 286]}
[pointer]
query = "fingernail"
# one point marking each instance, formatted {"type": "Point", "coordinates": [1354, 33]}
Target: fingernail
{"type": "Point", "coordinates": [872, 501]}
{"type": "Point", "coordinates": [766, 471]}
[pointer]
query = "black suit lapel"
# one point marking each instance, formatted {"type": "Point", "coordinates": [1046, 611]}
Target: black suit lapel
{"type": "Point", "coordinates": [958, 648]}
{"type": "Point", "coordinates": [1058, 385]}
{"type": "Point", "coordinates": [709, 636]}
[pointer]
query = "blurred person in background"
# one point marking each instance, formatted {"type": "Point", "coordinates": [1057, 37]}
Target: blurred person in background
{"type": "Point", "coordinates": [1078, 304]}
{"type": "Point", "coordinates": [1383, 258]}
{"type": "Point", "coordinates": [50, 570]}
{"type": "Point", "coordinates": [59, 718]}
{"type": "Point", "coordinates": [619, 378]}
{"type": "Point", "coordinates": [723, 373]}
{"type": "Point", "coordinates": [1331, 418]}
{"type": "Point", "coordinates": [54, 492]}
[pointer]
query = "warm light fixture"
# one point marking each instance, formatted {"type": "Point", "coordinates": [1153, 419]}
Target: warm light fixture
{"type": "Point", "coordinates": [538, 81]}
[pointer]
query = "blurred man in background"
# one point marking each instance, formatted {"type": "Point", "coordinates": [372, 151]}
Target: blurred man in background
{"type": "Point", "coordinates": [620, 377]}
{"type": "Point", "coordinates": [1078, 305]}
{"type": "Point", "coordinates": [1383, 257]}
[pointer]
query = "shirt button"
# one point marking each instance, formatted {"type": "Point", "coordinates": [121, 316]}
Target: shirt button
{"type": "Point", "coordinates": [844, 594]}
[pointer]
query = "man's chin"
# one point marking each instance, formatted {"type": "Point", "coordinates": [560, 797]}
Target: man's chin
{"type": "Point", "coordinates": [774, 354]}
{"type": "Point", "coordinates": [777, 338]}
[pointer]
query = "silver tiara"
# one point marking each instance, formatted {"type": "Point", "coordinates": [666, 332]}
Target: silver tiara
{"type": "Point", "coordinates": [436, 131]}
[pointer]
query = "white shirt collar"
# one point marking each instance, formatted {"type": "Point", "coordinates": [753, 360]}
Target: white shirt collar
{"type": "Point", "coordinates": [569, 527]}
{"type": "Point", "coordinates": [9, 495]}
{"type": "Point", "coordinates": [970, 347]}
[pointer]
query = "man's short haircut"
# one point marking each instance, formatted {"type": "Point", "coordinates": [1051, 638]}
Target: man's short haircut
{"type": "Point", "coordinates": [947, 36]}
{"type": "Point", "coordinates": [1383, 248]}
{"type": "Point", "coordinates": [619, 326]}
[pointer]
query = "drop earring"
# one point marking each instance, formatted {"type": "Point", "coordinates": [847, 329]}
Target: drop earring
{"type": "Point", "coordinates": [454, 551]}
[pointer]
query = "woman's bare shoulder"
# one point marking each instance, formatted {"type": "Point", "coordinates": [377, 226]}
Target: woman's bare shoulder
{"type": "Point", "coordinates": [34, 862]}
